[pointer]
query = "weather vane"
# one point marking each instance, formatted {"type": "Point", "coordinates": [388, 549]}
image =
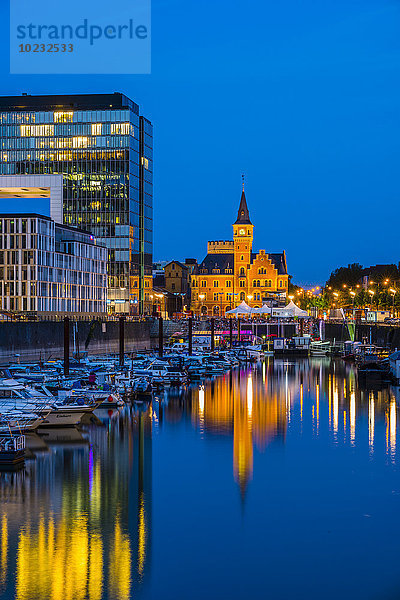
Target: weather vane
{"type": "Point", "coordinates": [243, 180]}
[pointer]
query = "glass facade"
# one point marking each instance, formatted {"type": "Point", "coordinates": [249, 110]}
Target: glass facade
{"type": "Point", "coordinates": [46, 268]}
{"type": "Point", "coordinates": [104, 150]}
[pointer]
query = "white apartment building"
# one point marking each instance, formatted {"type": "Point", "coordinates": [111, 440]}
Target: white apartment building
{"type": "Point", "coordinates": [48, 269]}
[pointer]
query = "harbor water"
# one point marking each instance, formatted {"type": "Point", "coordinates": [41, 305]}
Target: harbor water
{"type": "Point", "coordinates": [279, 480]}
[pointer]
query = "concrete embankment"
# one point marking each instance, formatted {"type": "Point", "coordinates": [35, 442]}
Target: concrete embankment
{"type": "Point", "coordinates": [45, 339]}
{"type": "Point", "coordinates": [380, 335]}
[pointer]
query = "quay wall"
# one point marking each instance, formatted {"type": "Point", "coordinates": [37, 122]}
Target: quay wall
{"type": "Point", "coordinates": [45, 339]}
{"type": "Point", "coordinates": [380, 335]}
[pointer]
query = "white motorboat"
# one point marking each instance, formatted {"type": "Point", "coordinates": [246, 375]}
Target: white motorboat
{"type": "Point", "coordinates": [319, 348]}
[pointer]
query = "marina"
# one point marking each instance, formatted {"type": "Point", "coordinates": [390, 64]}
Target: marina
{"type": "Point", "coordinates": [285, 446]}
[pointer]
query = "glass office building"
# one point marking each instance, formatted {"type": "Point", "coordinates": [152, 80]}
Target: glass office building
{"type": "Point", "coordinates": [103, 148]}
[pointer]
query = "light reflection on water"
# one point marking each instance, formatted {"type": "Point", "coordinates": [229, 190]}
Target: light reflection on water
{"type": "Point", "coordinates": [126, 507]}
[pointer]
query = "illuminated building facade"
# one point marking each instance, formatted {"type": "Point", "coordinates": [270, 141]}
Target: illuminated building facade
{"type": "Point", "coordinates": [232, 273]}
{"type": "Point", "coordinates": [47, 268]}
{"type": "Point", "coordinates": [103, 148]}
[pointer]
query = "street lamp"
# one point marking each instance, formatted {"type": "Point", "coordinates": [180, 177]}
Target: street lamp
{"type": "Point", "coordinates": [353, 295]}
{"type": "Point", "coordinates": [372, 294]}
{"type": "Point", "coordinates": [201, 298]}
{"type": "Point", "coordinates": [393, 295]}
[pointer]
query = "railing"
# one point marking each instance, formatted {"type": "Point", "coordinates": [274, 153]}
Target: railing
{"type": "Point", "coordinates": [12, 443]}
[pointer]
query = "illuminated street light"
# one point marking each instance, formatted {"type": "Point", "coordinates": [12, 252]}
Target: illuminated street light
{"type": "Point", "coordinates": [393, 295]}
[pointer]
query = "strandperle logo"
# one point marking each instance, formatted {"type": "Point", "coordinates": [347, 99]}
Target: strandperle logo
{"type": "Point", "coordinates": [85, 31]}
{"type": "Point", "coordinates": [91, 37]}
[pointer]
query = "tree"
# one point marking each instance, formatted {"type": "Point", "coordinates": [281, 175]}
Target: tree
{"type": "Point", "coordinates": [349, 275]}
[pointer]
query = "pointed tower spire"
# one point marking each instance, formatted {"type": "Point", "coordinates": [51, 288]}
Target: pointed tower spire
{"type": "Point", "coordinates": [243, 217]}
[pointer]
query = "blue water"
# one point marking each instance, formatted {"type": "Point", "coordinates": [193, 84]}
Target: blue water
{"type": "Point", "coordinates": [279, 481]}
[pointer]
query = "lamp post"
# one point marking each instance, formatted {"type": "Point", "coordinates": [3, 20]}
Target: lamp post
{"type": "Point", "coordinates": [353, 295]}
{"type": "Point", "coordinates": [372, 295]}
{"type": "Point", "coordinates": [152, 304]}
{"type": "Point", "coordinates": [250, 298]}
{"type": "Point", "coordinates": [161, 296]}
{"type": "Point", "coordinates": [393, 295]}
{"type": "Point", "coordinates": [221, 294]}
{"type": "Point", "coordinates": [201, 298]}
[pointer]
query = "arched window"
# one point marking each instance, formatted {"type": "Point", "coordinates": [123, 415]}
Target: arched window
{"type": "Point", "coordinates": [242, 271]}
{"type": "Point", "coordinates": [242, 257]}
{"type": "Point", "coordinates": [242, 295]}
{"type": "Point", "coordinates": [216, 311]}
{"type": "Point", "coordinates": [258, 283]}
{"type": "Point", "coordinates": [204, 310]}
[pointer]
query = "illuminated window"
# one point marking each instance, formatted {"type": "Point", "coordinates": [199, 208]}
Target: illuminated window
{"type": "Point", "coordinates": [96, 128]}
{"type": "Point", "coordinates": [145, 162]}
{"type": "Point", "coordinates": [63, 117]}
{"type": "Point", "coordinates": [80, 142]}
{"type": "Point", "coordinates": [120, 128]}
{"type": "Point", "coordinates": [36, 130]}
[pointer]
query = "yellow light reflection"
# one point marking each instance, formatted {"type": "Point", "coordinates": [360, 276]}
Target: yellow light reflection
{"type": "Point", "coordinates": [335, 410]}
{"type": "Point", "coordinates": [249, 396]}
{"type": "Point", "coordinates": [120, 564]}
{"type": "Point", "coordinates": [392, 421]}
{"type": "Point", "coordinates": [201, 407]}
{"type": "Point", "coordinates": [4, 550]}
{"type": "Point", "coordinates": [60, 562]}
{"type": "Point", "coordinates": [352, 418]}
{"type": "Point", "coordinates": [141, 535]}
{"type": "Point", "coordinates": [95, 583]}
{"type": "Point", "coordinates": [301, 402]}
{"type": "Point", "coordinates": [371, 421]}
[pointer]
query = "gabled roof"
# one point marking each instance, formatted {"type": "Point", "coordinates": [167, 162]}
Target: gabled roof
{"type": "Point", "coordinates": [217, 261]}
{"type": "Point", "coordinates": [176, 262]}
{"type": "Point", "coordinates": [278, 259]}
{"type": "Point", "coordinates": [243, 217]}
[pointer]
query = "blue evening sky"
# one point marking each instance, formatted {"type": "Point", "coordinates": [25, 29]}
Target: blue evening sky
{"type": "Point", "coordinates": [303, 96]}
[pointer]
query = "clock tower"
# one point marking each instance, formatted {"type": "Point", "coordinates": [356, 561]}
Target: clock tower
{"type": "Point", "coordinates": [243, 242]}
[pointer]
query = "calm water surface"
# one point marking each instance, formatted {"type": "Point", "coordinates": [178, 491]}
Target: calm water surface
{"type": "Point", "coordinates": [280, 481]}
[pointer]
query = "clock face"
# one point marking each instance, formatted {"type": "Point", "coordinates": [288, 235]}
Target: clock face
{"type": "Point", "coordinates": [242, 232]}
